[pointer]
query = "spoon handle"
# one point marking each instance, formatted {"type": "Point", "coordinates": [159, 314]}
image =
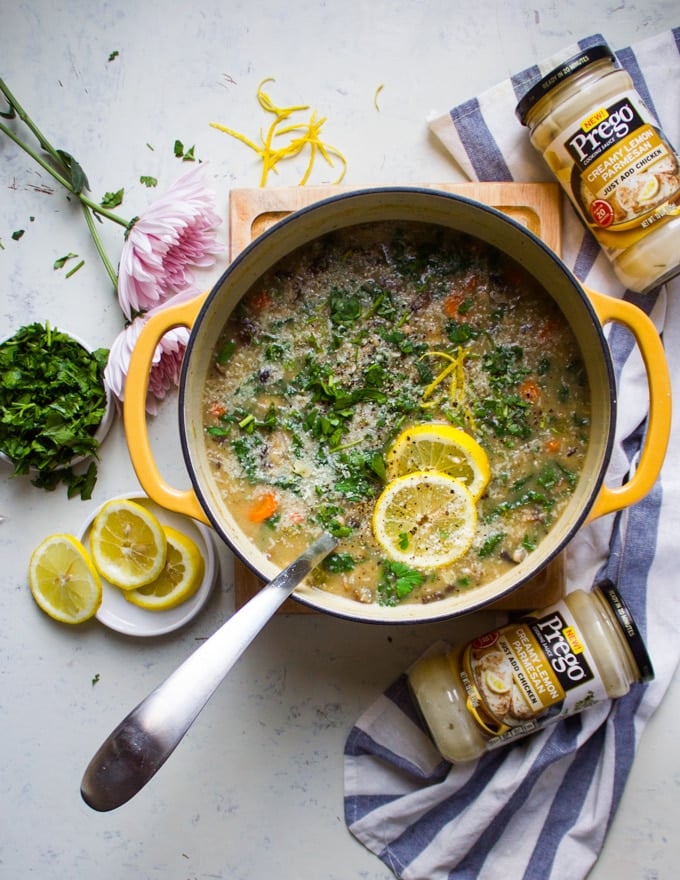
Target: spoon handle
{"type": "Point", "coordinates": [143, 741]}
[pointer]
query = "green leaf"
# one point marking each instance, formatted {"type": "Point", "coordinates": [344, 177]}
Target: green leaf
{"type": "Point", "coordinates": [112, 199]}
{"type": "Point", "coordinates": [181, 153]}
{"type": "Point", "coordinates": [339, 563]}
{"type": "Point", "coordinates": [10, 113]}
{"type": "Point", "coordinates": [490, 545]}
{"type": "Point", "coordinates": [61, 261]}
{"type": "Point", "coordinates": [74, 172]}
{"type": "Point", "coordinates": [225, 352]}
{"type": "Point", "coordinates": [148, 181]}
{"type": "Point", "coordinates": [345, 308]}
{"type": "Point", "coordinates": [397, 581]}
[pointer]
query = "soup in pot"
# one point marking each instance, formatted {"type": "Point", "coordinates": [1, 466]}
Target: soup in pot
{"type": "Point", "coordinates": [354, 339]}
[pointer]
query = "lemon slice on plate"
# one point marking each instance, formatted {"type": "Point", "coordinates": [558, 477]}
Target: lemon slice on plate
{"type": "Point", "coordinates": [425, 519]}
{"type": "Point", "coordinates": [128, 544]}
{"type": "Point", "coordinates": [63, 580]}
{"type": "Point", "coordinates": [182, 575]}
{"type": "Point", "coordinates": [442, 448]}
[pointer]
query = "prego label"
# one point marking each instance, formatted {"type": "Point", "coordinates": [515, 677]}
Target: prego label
{"type": "Point", "coordinates": [528, 673]}
{"type": "Point", "coordinates": [623, 174]}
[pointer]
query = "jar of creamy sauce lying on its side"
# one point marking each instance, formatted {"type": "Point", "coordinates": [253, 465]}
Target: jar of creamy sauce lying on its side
{"type": "Point", "coordinates": [613, 161]}
{"type": "Point", "coordinates": [518, 679]}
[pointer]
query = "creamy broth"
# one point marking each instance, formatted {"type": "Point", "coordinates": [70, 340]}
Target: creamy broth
{"type": "Point", "coordinates": [357, 336]}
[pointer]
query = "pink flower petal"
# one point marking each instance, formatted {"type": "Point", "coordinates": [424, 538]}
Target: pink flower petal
{"type": "Point", "coordinates": [176, 234]}
{"type": "Point", "coordinates": [165, 365]}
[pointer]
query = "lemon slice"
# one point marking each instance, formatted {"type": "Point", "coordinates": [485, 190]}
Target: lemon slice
{"type": "Point", "coordinates": [63, 580]}
{"type": "Point", "coordinates": [649, 189]}
{"type": "Point", "coordinates": [496, 684]}
{"type": "Point", "coordinates": [425, 519]}
{"type": "Point", "coordinates": [182, 575]}
{"type": "Point", "coordinates": [128, 544]}
{"type": "Point", "coordinates": [441, 448]}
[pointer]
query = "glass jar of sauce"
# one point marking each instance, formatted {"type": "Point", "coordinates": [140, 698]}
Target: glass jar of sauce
{"type": "Point", "coordinates": [518, 679]}
{"type": "Point", "coordinates": [613, 161]}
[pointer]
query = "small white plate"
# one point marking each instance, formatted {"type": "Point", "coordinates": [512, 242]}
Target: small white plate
{"type": "Point", "coordinates": [118, 614]}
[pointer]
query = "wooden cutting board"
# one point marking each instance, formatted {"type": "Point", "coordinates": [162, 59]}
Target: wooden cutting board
{"type": "Point", "coordinates": [535, 205]}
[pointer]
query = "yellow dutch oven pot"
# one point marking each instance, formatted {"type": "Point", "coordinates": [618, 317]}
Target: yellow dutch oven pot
{"type": "Point", "coordinates": [587, 312]}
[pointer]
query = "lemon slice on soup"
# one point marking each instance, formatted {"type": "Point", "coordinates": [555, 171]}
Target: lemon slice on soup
{"type": "Point", "coordinates": [181, 576]}
{"type": "Point", "coordinates": [63, 580]}
{"type": "Point", "coordinates": [426, 519]}
{"type": "Point", "coordinates": [128, 544]}
{"type": "Point", "coordinates": [442, 448]}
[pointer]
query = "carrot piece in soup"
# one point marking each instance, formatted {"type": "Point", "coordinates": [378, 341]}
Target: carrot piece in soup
{"type": "Point", "coordinates": [261, 301]}
{"type": "Point", "coordinates": [529, 391]}
{"type": "Point", "coordinates": [265, 506]}
{"type": "Point", "coordinates": [548, 329]}
{"type": "Point", "coordinates": [452, 303]}
{"type": "Point", "coordinates": [216, 409]}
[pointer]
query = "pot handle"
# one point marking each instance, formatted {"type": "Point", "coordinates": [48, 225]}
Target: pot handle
{"type": "Point", "coordinates": [659, 420]}
{"type": "Point", "coordinates": [134, 409]}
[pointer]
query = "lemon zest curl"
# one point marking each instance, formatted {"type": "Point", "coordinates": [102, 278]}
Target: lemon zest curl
{"type": "Point", "coordinates": [300, 134]}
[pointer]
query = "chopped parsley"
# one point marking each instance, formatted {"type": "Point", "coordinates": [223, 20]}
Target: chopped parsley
{"type": "Point", "coordinates": [490, 546]}
{"type": "Point", "coordinates": [330, 517]}
{"type": "Point", "coordinates": [339, 563]}
{"type": "Point", "coordinates": [181, 153]}
{"type": "Point", "coordinates": [112, 199]}
{"type": "Point", "coordinates": [52, 400]}
{"type": "Point", "coordinates": [61, 261]}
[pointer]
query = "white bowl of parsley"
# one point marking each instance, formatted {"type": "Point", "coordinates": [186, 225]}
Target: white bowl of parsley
{"type": "Point", "coordinates": [54, 408]}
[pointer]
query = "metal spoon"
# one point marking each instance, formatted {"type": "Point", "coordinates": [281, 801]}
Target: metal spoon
{"type": "Point", "coordinates": [143, 741]}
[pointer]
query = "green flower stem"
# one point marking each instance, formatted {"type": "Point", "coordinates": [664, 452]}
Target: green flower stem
{"type": "Point", "coordinates": [121, 221]}
{"type": "Point", "coordinates": [39, 159]}
{"type": "Point", "coordinates": [56, 171]}
{"type": "Point", "coordinates": [89, 219]}
{"type": "Point", "coordinates": [26, 119]}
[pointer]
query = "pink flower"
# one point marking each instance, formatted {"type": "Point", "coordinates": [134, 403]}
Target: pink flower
{"type": "Point", "coordinates": [175, 234]}
{"type": "Point", "coordinates": [165, 365]}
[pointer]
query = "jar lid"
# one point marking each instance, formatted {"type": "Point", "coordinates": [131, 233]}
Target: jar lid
{"type": "Point", "coordinates": [558, 75]}
{"type": "Point", "coordinates": [629, 628]}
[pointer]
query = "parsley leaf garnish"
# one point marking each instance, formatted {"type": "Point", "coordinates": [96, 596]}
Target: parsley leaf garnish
{"type": "Point", "coordinates": [338, 563]}
{"type": "Point", "coordinates": [397, 581]}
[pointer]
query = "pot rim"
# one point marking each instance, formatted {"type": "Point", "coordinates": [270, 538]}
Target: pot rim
{"type": "Point", "coordinates": [348, 611]}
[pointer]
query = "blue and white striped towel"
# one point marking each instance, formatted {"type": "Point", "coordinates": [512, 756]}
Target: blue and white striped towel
{"type": "Point", "coordinates": [540, 809]}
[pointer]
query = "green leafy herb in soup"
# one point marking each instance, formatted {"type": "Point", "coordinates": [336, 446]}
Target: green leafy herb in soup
{"type": "Point", "coordinates": [361, 334]}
